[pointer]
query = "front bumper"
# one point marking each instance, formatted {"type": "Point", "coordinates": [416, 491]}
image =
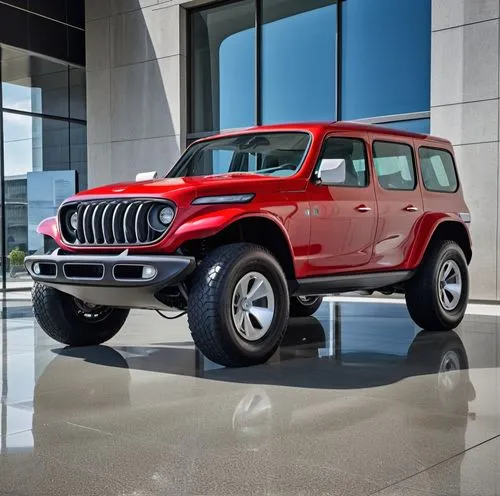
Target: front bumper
{"type": "Point", "coordinates": [111, 280]}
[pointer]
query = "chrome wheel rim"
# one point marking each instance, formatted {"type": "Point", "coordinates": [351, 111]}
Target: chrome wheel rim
{"type": "Point", "coordinates": [253, 306]}
{"type": "Point", "coordinates": [450, 285]}
{"type": "Point", "coordinates": [308, 300]}
{"type": "Point", "coordinates": [447, 375]}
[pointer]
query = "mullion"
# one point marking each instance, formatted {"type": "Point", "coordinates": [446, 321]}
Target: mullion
{"type": "Point", "coordinates": [3, 245]}
{"type": "Point", "coordinates": [44, 116]}
{"type": "Point", "coordinates": [258, 61]}
{"type": "Point", "coordinates": [338, 68]}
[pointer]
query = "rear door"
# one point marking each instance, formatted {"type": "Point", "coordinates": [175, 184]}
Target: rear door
{"type": "Point", "coordinates": [399, 201]}
{"type": "Point", "coordinates": [344, 216]}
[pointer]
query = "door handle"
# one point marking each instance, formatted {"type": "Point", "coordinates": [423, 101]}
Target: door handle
{"type": "Point", "coordinates": [363, 208]}
{"type": "Point", "coordinates": [411, 208]}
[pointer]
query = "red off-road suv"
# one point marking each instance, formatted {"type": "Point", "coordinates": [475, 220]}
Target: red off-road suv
{"type": "Point", "coordinates": [252, 226]}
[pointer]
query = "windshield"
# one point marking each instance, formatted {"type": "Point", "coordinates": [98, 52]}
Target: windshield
{"type": "Point", "coordinates": [271, 154]}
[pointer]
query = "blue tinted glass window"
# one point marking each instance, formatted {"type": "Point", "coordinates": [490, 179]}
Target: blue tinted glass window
{"type": "Point", "coordinates": [414, 126]}
{"type": "Point", "coordinates": [298, 60]}
{"type": "Point", "coordinates": [223, 67]}
{"type": "Point", "coordinates": [385, 57]}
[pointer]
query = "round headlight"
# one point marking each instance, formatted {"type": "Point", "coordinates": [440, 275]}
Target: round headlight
{"type": "Point", "coordinates": [73, 221]}
{"type": "Point", "coordinates": [166, 216]}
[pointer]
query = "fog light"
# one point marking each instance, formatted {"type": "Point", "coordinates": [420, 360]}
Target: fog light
{"type": "Point", "coordinates": [148, 272]}
{"type": "Point", "coordinates": [36, 269]}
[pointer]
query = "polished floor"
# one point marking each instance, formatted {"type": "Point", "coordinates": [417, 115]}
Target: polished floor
{"type": "Point", "coordinates": [357, 401]}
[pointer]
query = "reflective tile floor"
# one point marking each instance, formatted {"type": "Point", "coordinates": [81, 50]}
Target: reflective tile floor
{"type": "Point", "coordinates": [357, 401]}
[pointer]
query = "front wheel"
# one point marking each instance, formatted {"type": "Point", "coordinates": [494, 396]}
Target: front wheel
{"type": "Point", "coordinates": [73, 322]}
{"type": "Point", "coordinates": [304, 306]}
{"type": "Point", "coordinates": [437, 295]}
{"type": "Point", "coordinates": [238, 305]}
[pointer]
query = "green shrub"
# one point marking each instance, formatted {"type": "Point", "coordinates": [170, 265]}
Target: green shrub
{"type": "Point", "coordinates": [16, 257]}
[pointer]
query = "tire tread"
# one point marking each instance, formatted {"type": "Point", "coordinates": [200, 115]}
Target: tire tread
{"type": "Point", "coordinates": [421, 299]}
{"type": "Point", "coordinates": [203, 314]}
{"type": "Point", "coordinates": [48, 309]}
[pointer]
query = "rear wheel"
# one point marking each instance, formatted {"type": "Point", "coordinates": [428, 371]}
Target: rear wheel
{"type": "Point", "coordinates": [238, 305]}
{"type": "Point", "coordinates": [437, 295]}
{"type": "Point", "coordinates": [304, 306]}
{"type": "Point", "coordinates": [71, 321]}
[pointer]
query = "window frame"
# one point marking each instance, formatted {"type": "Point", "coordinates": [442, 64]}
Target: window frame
{"type": "Point", "coordinates": [258, 24]}
{"type": "Point", "coordinates": [314, 175]}
{"type": "Point", "coordinates": [414, 163]}
{"type": "Point", "coordinates": [454, 169]}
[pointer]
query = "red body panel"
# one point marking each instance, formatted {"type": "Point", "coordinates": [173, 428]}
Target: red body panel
{"type": "Point", "coordinates": [322, 225]}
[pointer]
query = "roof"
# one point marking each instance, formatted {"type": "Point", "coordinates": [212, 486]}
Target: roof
{"type": "Point", "coordinates": [337, 126]}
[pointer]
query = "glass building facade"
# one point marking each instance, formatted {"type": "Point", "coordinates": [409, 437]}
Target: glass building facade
{"type": "Point", "coordinates": [43, 152]}
{"type": "Point", "coordinates": [273, 61]}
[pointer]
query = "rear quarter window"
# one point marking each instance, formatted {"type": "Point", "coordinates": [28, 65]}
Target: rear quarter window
{"type": "Point", "coordinates": [438, 170]}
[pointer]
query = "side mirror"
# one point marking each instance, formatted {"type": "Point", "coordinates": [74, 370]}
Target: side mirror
{"type": "Point", "coordinates": [146, 176]}
{"type": "Point", "coordinates": [332, 171]}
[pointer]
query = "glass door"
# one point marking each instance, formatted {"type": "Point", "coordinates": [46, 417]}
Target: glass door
{"type": "Point", "coordinates": [43, 150]}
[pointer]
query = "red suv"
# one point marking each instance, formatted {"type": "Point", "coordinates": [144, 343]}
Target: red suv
{"type": "Point", "coordinates": [252, 226]}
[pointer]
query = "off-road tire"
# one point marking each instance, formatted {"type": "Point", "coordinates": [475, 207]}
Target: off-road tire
{"type": "Point", "coordinates": [300, 309]}
{"type": "Point", "coordinates": [56, 313]}
{"type": "Point", "coordinates": [422, 291]}
{"type": "Point", "coordinates": [210, 300]}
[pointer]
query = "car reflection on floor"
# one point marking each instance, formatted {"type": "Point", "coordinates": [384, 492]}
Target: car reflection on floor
{"type": "Point", "coordinates": [320, 382]}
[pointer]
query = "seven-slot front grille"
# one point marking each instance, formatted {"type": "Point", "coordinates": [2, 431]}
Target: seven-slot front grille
{"type": "Point", "coordinates": [113, 222]}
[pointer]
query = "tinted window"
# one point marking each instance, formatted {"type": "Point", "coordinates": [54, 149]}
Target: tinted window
{"type": "Point", "coordinates": [14, 28]}
{"type": "Point", "coordinates": [438, 170]}
{"type": "Point", "coordinates": [18, 3]}
{"type": "Point", "coordinates": [55, 9]}
{"type": "Point", "coordinates": [223, 67]}
{"type": "Point", "coordinates": [386, 57]}
{"type": "Point", "coordinates": [352, 152]}
{"type": "Point", "coordinates": [78, 153]}
{"type": "Point", "coordinates": [48, 37]}
{"type": "Point", "coordinates": [77, 93]}
{"type": "Point", "coordinates": [76, 13]}
{"type": "Point", "coordinates": [394, 165]}
{"type": "Point", "coordinates": [272, 154]}
{"type": "Point", "coordinates": [298, 60]}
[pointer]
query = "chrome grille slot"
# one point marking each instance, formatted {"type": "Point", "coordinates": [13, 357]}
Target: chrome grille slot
{"type": "Point", "coordinates": [107, 226]}
{"type": "Point", "coordinates": [129, 223]}
{"type": "Point", "coordinates": [87, 225]}
{"type": "Point", "coordinates": [141, 228]}
{"type": "Point", "coordinates": [117, 222]}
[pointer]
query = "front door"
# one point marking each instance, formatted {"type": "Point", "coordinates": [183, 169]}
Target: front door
{"type": "Point", "coordinates": [343, 216]}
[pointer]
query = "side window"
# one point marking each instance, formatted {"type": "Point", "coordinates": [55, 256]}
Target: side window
{"type": "Point", "coordinates": [394, 165]}
{"type": "Point", "coordinates": [351, 152]}
{"type": "Point", "coordinates": [438, 170]}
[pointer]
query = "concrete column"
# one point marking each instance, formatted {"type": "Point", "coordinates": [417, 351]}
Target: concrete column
{"type": "Point", "coordinates": [465, 109]}
{"type": "Point", "coordinates": [135, 87]}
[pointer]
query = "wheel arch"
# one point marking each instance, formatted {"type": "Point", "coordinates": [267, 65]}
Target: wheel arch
{"type": "Point", "coordinates": [257, 229]}
{"type": "Point", "coordinates": [444, 229]}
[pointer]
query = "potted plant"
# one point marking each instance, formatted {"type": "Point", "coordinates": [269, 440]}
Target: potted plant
{"type": "Point", "coordinates": [16, 258]}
